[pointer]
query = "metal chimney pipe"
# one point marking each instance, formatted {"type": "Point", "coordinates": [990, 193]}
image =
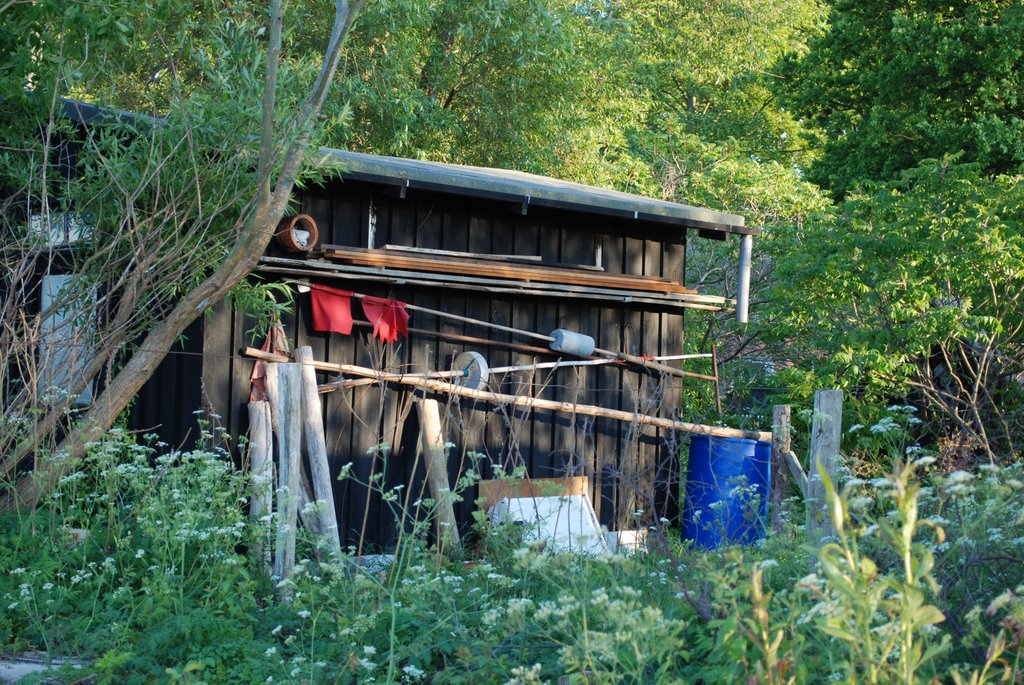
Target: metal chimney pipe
{"type": "Point", "coordinates": [743, 282]}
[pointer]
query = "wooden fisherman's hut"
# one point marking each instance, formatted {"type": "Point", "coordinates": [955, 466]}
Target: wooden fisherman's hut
{"type": "Point", "coordinates": [483, 258]}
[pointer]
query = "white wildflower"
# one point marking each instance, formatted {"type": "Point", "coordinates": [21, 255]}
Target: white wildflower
{"type": "Point", "coordinates": [413, 672]}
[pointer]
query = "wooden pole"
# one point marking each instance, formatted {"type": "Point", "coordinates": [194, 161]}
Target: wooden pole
{"type": "Point", "coordinates": [432, 442]}
{"type": "Point", "coordinates": [718, 384]}
{"type": "Point", "coordinates": [781, 484]}
{"type": "Point", "coordinates": [316, 448]}
{"type": "Point", "coordinates": [528, 402]}
{"type": "Point", "coordinates": [826, 431]}
{"type": "Point", "coordinates": [270, 384]}
{"type": "Point", "coordinates": [305, 491]}
{"type": "Point", "coordinates": [289, 404]}
{"type": "Point", "coordinates": [261, 474]}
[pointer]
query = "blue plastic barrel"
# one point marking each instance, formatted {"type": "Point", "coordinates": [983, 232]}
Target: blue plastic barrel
{"type": "Point", "coordinates": [727, 485]}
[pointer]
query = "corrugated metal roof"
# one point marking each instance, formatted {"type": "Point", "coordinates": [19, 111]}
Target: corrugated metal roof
{"type": "Point", "coordinates": [529, 189]}
{"type": "Point", "coordinates": [512, 186]}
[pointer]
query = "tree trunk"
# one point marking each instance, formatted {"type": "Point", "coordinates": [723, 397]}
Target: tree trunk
{"type": "Point", "coordinates": [259, 223]}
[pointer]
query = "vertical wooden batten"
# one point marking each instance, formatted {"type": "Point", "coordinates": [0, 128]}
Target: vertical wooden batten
{"type": "Point", "coordinates": [284, 388]}
{"type": "Point", "coordinates": [435, 453]}
{"type": "Point", "coordinates": [780, 482]}
{"type": "Point", "coordinates": [316, 447]}
{"type": "Point", "coordinates": [826, 431]}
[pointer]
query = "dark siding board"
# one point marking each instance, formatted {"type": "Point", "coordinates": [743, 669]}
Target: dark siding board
{"type": "Point", "coordinates": [237, 418]}
{"type": "Point", "coordinates": [550, 434]}
{"type": "Point", "coordinates": [188, 380]}
{"type": "Point", "coordinates": [524, 424]}
{"type": "Point", "coordinates": [164, 406]}
{"type": "Point", "coordinates": [429, 221]}
{"type": "Point", "coordinates": [189, 377]}
{"type": "Point", "coordinates": [338, 428]}
{"type": "Point", "coordinates": [318, 205]}
{"type": "Point", "coordinates": [455, 227]}
{"type": "Point", "coordinates": [635, 391]}
{"type": "Point", "coordinates": [474, 415]}
{"type": "Point", "coordinates": [579, 240]}
{"type": "Point", "coordinates": [349, 219]}
{"type": "Point", "coordinates": [402, 222]}
{"type": "Point", "coordinates": [673, 266]}
{"type": "Point", "coordinates": [649, 386]}
{"type": "Point", "coordinates": [608, 389]}
{"type": "Point", "coordinates": [218, 326]}
{"type": "Point", "coordinates": [367, 518]}
{"type": "Point", "coordinates": [164, 403]}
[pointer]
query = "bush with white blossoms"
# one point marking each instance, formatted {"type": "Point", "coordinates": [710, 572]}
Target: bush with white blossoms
{"type": "Point", "coordinates": [138, 564]}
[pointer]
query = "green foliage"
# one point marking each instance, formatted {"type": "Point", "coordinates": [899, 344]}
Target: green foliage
{"type": "Point", "coordinates": [259, 300]}
{"type": "Point", "coordinates": [892, 84]}
{"type": "Point", "coordinates": [487, 83]}
{"type": "Point", "coordinates": [705, 67]}
{"type": "Point", "coordinates": [883, 619]}
{"type": "Point", "coordinates": [909, 590]}
{"type": "Point", "coordinates": [911, 290]}
{"type": "Point", "coordinates": [134, 560]}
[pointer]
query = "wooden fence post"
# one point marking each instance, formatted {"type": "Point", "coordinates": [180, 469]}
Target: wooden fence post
{"type": "Point", "coordinates": [826, 431]}
{"type": "Point", "coordinates": [781, 486]}
{"type": "Point", "coordinates": [261, 470]}
{"type": "Point", "coordinates": [316, 447]}
{"type": "Point", "coordinates": [432, 442]}
{"type": "Point", "coordinates": [288, 402]}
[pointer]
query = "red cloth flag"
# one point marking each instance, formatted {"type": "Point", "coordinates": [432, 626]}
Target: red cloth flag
{"type": "Point", "coordinates": [388, 317]}
{"type": "Point", "coordinates": [332, 309]}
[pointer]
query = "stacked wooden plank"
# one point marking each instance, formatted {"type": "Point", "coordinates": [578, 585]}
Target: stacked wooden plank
{"type": "Point", "coordinates": [500, 270]}
{"type": "Point", "coordinates": [491, 276]}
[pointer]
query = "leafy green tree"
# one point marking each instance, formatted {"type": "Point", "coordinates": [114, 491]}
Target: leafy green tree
{"type": "Point", "coordinates": [911, 291]}
{"type": "Point", "coordinates": [893, 83]}
{"type": "Point", "coordinates": [715, 134]}
{"type": "Point", "coordinates": [168, 214]}
{"type": "Point", "coordinates": [707, 66]}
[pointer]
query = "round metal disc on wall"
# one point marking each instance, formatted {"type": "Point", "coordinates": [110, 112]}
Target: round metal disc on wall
{"type": "Point", "coordinates": [474, 370]}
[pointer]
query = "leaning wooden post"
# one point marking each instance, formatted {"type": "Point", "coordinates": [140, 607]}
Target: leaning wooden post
{"type": "Point", "coordinates": [432, 442]}
{"type": "Point", "coordinates": [261, 474]}
{"type": "Point", "coordinates": [288, 402]}
{"type": "Point", "coordinates": [826, 431]}
{"type": "Point", "coordinates": [781, 485]}
{"type": "Point", "coordinates": [316, 447]}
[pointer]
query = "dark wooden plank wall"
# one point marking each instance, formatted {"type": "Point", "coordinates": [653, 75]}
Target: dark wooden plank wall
{"type": "Point", "coordinates": [360, 419]}
{"type": "Point", "coordinates": [164, 406]}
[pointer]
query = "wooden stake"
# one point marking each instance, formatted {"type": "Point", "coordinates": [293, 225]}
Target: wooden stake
{"type": "Point", "coordinates": [826, 431]}
{"type": "Point", "coordinates": [289, 403]}
{"type": "Point", "coordinates": [305, 491]}
{"type": "Point", "coordinates": [432, 442]}
{"type": "Point", "coordinates": [781, 485]}
{"type": "Point", "coordinates": [261, 473]}
{"type": "Point", "coordinates": [270, 384]}
{"type": "Point", "coordinates": [316, 447]}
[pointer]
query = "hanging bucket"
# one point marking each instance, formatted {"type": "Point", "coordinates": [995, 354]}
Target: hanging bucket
{"type": "Point", "coordinates": [727, 485]}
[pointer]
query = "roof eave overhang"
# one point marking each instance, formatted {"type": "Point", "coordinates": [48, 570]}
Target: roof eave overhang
{"type": "Point", "coordinates": [526, 190]}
